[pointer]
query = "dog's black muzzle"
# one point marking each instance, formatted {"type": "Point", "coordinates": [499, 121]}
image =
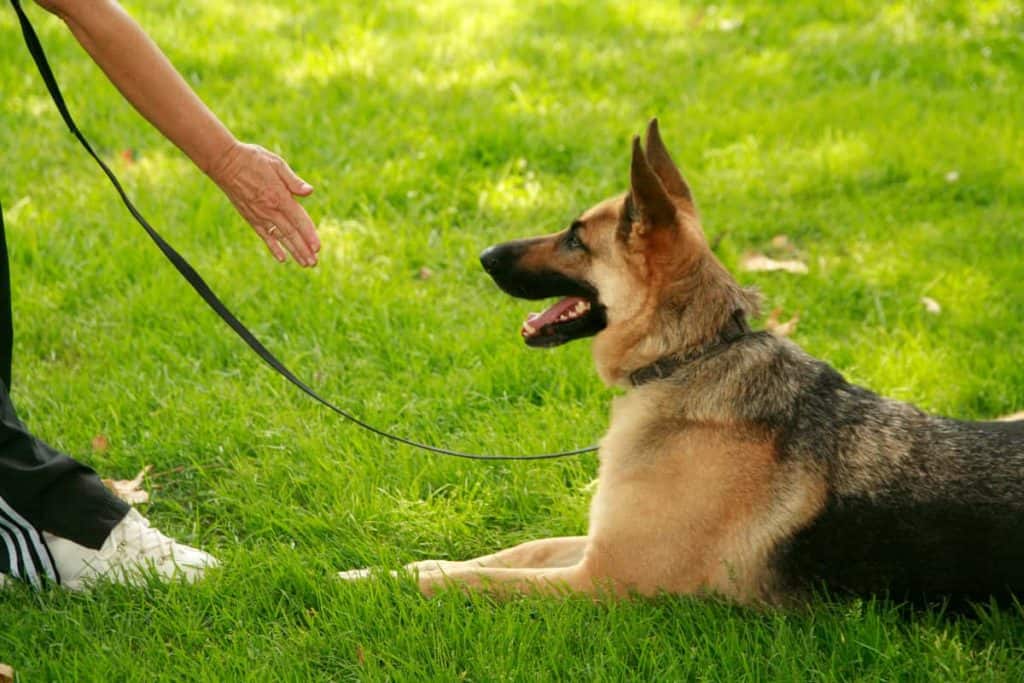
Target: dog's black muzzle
{"type": "Point", "coordinates": [502, 263]}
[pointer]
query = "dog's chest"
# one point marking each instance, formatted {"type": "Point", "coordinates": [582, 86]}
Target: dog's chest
{"type": "Point", "coordinates": [697, 505]}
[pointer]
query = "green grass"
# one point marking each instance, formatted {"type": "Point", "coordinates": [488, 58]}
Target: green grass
{"type": "Point", "coordinates": [430, 131]}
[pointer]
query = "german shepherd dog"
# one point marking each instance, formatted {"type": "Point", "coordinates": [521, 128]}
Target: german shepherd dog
{"type": "Point", "coordinates": [736, 464]}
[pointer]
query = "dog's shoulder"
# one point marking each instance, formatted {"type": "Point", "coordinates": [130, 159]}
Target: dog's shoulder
{"type": "Point", "coordinates": [768, 381]}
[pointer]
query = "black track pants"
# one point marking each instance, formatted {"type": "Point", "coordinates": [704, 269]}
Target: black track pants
{"type": "Point", "coordinates": [40, 488]}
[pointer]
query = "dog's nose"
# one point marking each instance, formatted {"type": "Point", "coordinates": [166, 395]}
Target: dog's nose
{"type": "Point", "coordinates": [489, 259]}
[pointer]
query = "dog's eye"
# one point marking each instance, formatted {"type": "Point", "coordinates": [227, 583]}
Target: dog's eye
{"type": "Point", "coordinates": [572, 238]}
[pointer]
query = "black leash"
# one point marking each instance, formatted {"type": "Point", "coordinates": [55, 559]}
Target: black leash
{"type": "Point", "coordinates": [212, 300]}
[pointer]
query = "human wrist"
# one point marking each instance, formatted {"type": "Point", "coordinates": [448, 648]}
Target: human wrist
{"type": "Point", "coordinates": [221, 160]}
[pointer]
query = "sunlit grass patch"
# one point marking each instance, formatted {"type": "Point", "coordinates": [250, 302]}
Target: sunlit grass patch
{"type": "Point", "coordinates": [883, 139]}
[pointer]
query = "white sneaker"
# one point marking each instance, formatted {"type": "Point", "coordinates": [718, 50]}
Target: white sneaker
{"type": "Point", "coordinates": [133, 551]}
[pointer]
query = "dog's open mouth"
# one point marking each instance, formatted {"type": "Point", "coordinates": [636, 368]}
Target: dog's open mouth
{"type": "Point", "coordinates": [570, 318]}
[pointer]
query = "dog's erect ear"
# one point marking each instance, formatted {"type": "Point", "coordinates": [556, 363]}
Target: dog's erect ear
{"type": "Point", "coordinates": [649, 195]}
{"type": "Point", "coordinates": [663, 165]}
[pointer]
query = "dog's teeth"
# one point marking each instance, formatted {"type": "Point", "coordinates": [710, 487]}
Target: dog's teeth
{"type": "Point", "coordinates": [528, 329]}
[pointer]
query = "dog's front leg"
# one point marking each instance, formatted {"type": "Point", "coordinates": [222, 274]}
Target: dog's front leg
{"type": "Point", "coordinates": [544, 553]}
{"type": "Point", "coordinates": [549, 566]}
{"type": "Point", "coordinates": [504, 582]}
{"type": "Point", "coordinates": [563, 551]}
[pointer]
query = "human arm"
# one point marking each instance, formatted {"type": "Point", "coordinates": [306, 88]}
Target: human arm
{"type": "Point", "coordinates": [259, 183]}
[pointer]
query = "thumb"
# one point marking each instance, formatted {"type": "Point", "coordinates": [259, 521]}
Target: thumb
{"type": "Point", "coordinates": [295, 184]}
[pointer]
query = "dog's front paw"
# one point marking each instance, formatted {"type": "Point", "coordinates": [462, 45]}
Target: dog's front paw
{"type": "Point", "coordinates": [437, 567]}
{"type": "Point", "coordinates": [354, 574]}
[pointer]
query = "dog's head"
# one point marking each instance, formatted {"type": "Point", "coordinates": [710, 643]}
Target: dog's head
{"type": "Point", "coordinates": [626, 270]}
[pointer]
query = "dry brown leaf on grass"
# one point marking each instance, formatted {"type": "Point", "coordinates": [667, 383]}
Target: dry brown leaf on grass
{"type": "Point", "coordinates": [759, 263]}
{"type": "Point", "coordinates": [6, 673]}
{"type": "Point", "coordinates": [1011, 418]}
{"type": "Point", "coordinates": [780, 329]}
{"type": "Point", "coordinates": [130, 491]}
{"type": "Point", "coordinates": [100, 443]}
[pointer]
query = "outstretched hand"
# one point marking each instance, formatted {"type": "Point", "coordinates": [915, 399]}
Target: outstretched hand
{"type": "Point", "coordinates": [263, 189]}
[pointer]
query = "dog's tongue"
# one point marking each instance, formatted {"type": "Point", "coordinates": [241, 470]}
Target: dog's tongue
{"type": "Point", "coordinates": [566, 308]}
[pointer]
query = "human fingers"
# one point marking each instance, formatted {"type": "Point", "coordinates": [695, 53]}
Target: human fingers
{"type": "Point", "coordinates": [303, 225]}
{"type": "Point", "coordinates": [268, 233]}
{"type": "Point", "coordinates": [291, 239]}
{"type": "Point", "coordinates": [265, 228]}
{"type": "Point", "coordinates": [295, 184]}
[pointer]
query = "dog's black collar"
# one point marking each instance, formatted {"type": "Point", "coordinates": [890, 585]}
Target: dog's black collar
{"type": "Point", "coordinates": [735, 329]}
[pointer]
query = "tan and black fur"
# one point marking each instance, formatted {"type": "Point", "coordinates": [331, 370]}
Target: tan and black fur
{"type": "Point", "coordinates": [743, 467]}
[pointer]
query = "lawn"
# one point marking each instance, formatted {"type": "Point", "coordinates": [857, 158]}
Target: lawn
{"type": "Point", "coordinates": [883, 140]}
